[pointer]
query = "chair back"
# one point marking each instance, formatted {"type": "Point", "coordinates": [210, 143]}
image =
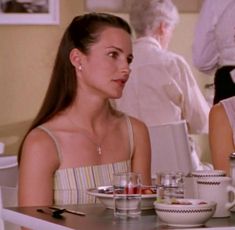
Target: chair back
{"type": "Point", "coordinates": [170, 148]}
{"type": "Point", "coordinates": [8, 198]}
{"type": "Point", "coordinates": [8, 187]}
{"type": "Point", "coordinates": [8, 171]}
{"type": "Point", "coordinates": [12, 134]}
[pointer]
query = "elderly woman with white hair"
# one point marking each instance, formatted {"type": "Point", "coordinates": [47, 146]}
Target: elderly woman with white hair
{"type": "Point", "coordinates": [161, 88]}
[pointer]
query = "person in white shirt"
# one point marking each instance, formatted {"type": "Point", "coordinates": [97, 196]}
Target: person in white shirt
{"type": "Point", "coordinates": [214, 45]}
{"type": "Point", "coordinates": [161, 88]}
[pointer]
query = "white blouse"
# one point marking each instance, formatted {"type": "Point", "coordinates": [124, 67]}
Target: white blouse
{"type": "Point", "coordinates": [162, 89]}
{"type": "Point", "coordinates": [214, 41]}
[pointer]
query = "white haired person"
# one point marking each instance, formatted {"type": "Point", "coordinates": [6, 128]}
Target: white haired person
{"type": "Point", "coordinates": [161, 88]}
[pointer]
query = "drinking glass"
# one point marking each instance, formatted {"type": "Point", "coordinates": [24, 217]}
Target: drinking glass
{"type": "Point", "coordinates": [170, 185]}
{"type": "Point", "coordinates": [127, 194]}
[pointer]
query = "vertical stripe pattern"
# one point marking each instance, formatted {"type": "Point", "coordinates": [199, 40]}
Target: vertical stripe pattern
{"type": "Point", "coordinates": [70, 185]}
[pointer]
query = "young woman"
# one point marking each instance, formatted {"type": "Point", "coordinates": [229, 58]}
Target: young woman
{"type": "Point", "coordinates": [222, 133]}
{"type": "Point", "coordinates": [78, 140]}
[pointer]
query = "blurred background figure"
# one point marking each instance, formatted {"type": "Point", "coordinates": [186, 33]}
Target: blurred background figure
{"type": "Point", "coordinates": [161, 88]}
{"type": "Point", "coordinates": [222, 132]}
{"type": "Point", "coordinates": [214, 45]}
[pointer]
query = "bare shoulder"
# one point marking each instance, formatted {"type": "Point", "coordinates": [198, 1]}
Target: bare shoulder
{"type": "Point", "coordinates": [38, 138]}
{"type": "Point", "coordinates": [40, 146]}
{"type": "Point", "coordinates": [138, 125]}
{"type": "Point", "coordinates": [218, 118]}
{"type": "Point", "coordinates": [217, 112]}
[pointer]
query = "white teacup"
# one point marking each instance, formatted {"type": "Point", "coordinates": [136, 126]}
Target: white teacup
{"type": "Point", "coordinates": [202, 174]}
{"type": "Point", "coordinates": [217, 189]}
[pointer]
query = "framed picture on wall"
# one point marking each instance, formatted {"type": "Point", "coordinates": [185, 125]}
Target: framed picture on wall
{"type": "Point", "coordinates": [29, 12]}
{"type": "Point", "coordinates": [123, 6]}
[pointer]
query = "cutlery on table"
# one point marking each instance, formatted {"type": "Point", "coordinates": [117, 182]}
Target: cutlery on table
{"type": "Point", "coordinates": [55, 213]}
{"type": "Point", "coordinates": [68, 211]}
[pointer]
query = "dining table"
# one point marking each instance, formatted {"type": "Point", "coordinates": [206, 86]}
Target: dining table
{"type": "Point", "coordinates": [97, 217]}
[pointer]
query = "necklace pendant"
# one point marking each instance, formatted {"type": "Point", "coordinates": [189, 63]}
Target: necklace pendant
{"type": "Point", "coordinates": [99, 150]}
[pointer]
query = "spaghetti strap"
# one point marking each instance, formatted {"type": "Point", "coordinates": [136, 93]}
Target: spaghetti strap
{"type": "Point", "coordinates": [130, 134]}
{"type": "Point", "coordinates": [49, 132]}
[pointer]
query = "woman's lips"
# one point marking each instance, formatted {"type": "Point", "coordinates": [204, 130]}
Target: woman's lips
{"type": "Point", "coordinates": [121, 82]}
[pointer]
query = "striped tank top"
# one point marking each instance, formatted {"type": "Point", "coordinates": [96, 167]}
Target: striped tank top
{"type": "Point", "coordinates": [71, 184]}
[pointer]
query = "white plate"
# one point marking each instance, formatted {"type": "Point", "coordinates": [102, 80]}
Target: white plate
{"type": "Point", "coordinates": [147, 200]}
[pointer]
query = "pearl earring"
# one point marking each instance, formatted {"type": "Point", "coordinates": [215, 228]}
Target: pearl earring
{"type": "Point", "coordinates": [80, 67]}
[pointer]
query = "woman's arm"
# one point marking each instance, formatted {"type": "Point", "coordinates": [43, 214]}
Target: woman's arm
{"type": "Point", "coordinates": [141, 160]}
{"type": "Point", "coordinates": [220, 137]}
{"type": "Point", "coordinates": [38, 163]}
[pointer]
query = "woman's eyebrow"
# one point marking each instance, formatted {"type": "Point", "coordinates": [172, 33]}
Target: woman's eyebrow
{"type": "Point", "coordinates": [115, 47]}
{"type": "Point", "coordinates": [119, 49]}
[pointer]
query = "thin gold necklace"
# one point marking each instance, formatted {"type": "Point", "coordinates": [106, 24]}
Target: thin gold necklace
{"type": "Point", "coordinates": [88, 136]}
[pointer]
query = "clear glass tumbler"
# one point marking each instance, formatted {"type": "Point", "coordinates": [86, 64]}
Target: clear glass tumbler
{"type": "Point", "coordinates": [170, 185]}
{"type": "Point", "coordinates": [127, 195]}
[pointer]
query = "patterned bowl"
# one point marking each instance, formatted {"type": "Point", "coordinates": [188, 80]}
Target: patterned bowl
{"type": "Point", "coordinates": [184, 212]}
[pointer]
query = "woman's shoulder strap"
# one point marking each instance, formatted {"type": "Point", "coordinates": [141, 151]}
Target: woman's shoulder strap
{"type": "Point", "coordinates": [52, 136]}
{"type": "Point", "coordinates": [130, 134]}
